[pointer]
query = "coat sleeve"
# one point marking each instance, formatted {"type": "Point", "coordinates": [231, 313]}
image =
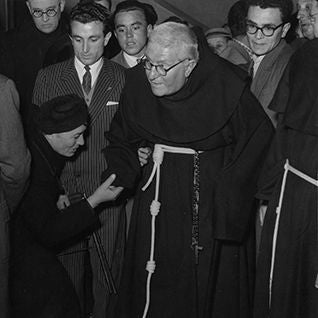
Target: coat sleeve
{"type": "Point", "coordinates": [52, 227]}
{"type": "Point", "coordinates": [236, 184]}
{"type": "Point", "coordinates": [122, 152]}
{"type": "Point", "coordinates": [14, 156]}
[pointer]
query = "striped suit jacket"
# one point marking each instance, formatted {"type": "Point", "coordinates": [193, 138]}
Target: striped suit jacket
{"type": "Point", "coordinates": [83, 172]}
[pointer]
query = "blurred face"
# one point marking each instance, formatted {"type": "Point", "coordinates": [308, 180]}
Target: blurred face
{"type": "Point", "coordinates": [131, 31]}
{"type": "Point", "coordinates": [304, 10]}
{"type": "Point", "coordinates": [67, 143]}
{"type": "Point", "coordinates": [88, 41]}
{"type": "Point", "coordinates": [176, 77]}
{"type": "Point", "coordinates": [269, 17]}
{"type": "Point", "coordinates": [314, 19]}
{"type": "Point", "coordinates": [218, 44]}
{"type": "Point", "coordinates": [43, 15]}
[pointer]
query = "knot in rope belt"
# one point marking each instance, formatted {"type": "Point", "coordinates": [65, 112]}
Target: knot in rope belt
{"type": "Point", "coordinates": [157, 156]}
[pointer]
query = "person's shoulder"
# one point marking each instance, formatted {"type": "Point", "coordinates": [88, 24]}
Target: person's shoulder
{"type": "Point", "coordinates": [117, 57]}
{"type": "Point", "coordinates": [113, 68]}
{"type": "Point", "coordinates": [308, 47]}
{"type": "Point", "coordinates": [58, 67]}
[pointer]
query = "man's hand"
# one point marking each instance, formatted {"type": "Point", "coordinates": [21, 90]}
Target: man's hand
{"type": "Point", "coordinates": [105, 192]}
{"type": "Point", "coordinates": [143, 155]}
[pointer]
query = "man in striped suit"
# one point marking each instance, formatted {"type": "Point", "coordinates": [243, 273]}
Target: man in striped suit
{"type": "Point", "coordinates": [100, 82]}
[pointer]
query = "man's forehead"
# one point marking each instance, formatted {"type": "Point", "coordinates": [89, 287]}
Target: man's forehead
{"type": "Point", "coordinates": [264, 15]}
{"type": "Point", "coordinates": [43, 3]}
{"type": "Point", "coordinates": [159, 54]}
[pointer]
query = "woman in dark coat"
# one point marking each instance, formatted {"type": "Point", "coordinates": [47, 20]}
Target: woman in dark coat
{"type": "Point", "coordinates": [40, 286]}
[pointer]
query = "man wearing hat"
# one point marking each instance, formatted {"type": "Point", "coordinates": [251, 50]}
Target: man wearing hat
{"type": "Point", "coordinates": [40, 286]}
{"type": "Point", "coordinates": [100, 82]}
{"type": "Point", "coordinates": [218, 39]}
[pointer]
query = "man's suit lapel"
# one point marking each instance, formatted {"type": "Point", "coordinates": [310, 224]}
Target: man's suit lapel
{"type": "Point", "coordinates": [105, 84]}
{"type": "Point", "coordinates": [69, 80]}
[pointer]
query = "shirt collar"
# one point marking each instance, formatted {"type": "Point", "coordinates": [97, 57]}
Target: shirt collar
{"type": "Point", "coordinates": [132, 60]}
{"type": "Point", "coordinates": [94, 69]}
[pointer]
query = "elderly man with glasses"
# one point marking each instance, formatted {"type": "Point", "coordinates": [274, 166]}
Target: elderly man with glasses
{"type": "Point", "coordinates": [192, 218]}
{"type": "Point", "coordinates": [27, 46]}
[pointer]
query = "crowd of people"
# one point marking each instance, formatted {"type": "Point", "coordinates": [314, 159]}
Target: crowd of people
{"type": "Point", "coordinates": [155, 169]}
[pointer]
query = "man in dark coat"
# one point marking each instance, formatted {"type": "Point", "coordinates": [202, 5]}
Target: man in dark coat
{"type": "Point", "coordinates": [209, 135]}
{"type": "Point", "coordinates": [26, 46]}
{"type": "Point", "coordinates": [15, 162]}
{"type": "Point", "coordinates": [40, 286]}
{"type": "Point", "coordinates": [287, 271]}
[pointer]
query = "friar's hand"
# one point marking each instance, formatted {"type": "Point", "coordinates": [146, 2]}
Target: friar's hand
{"type": "Point", "coordinates": [105, 192]}
{"type": "Point", "coordinates": [143, 155]}
{"type": "Point", "coordinates": [63, 202]}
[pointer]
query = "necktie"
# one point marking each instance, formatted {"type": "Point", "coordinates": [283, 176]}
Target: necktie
{"type": "Point", "coordinates": [87, 80]}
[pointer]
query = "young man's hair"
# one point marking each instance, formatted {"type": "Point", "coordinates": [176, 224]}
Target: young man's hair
{"type": "Point", "coordinates": [88, 11]}
{"type": "Point", "coordinates": [285, 6]}
{"type": "Point", "coordinates": [131, 5]}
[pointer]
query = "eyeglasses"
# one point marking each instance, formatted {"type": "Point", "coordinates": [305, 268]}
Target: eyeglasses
{"type": "Point", "coordinates": [266, 30]}
{"type": "Point", "coordinates": [160, 69]}
{"type": "Point", "coordinates": [49, 12]}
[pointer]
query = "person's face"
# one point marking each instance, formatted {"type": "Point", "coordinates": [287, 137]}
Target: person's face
{"type": "Point", "coordinates": [45, 23]}
{"type": "Point", "coordinates": [104, 3]}
{"type": "Point", "coordinates": [175, 79]}
{"type": "Point", "coordinates": [218, 44]}
{"type": "Point", "coordinates": [88, 41]}
{"type": "Point", "coordinates": [131, 31]}
{"type": "Point", "coordinates": [270, 17]}
{"type": "Point", "coordinates": [314, 19]}
{"type": "Point", "coordinates": [67, 143]}
{"type": "Point", "coordinates": [303, 15]}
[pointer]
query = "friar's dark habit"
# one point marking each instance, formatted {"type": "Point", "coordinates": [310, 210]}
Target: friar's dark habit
{"type": "Point", "coordinates": [215, 113]}
{"type": "Point", "coordinates": [294, 291]}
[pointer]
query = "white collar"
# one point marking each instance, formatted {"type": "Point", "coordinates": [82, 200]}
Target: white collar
{"type": "Point", "coordinates": [131, 60]}
{"type": "Point", "coordinates": [94, 69]}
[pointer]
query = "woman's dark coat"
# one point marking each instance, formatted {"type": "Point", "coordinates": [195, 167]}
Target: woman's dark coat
{"type": "Point", "coordinates": [40, 286]}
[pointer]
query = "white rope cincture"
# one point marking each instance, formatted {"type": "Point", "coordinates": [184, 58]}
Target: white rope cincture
{"type": "Point", "coordinates": [287, 167]}
{"type": "Point", "coordinates": [157, 157]}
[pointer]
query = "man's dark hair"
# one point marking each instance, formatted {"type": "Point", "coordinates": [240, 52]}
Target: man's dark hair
{"type": "Point", "coordinates": [236, 18]}
{"type": "Point", "coordinates": [285, 6]}
{"type": "Point", "coordinates": [89, 11]}
{"type": "Point", "coordinates": [109, 2]}
{"type": "Point", "coordinates": [130, 5]}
